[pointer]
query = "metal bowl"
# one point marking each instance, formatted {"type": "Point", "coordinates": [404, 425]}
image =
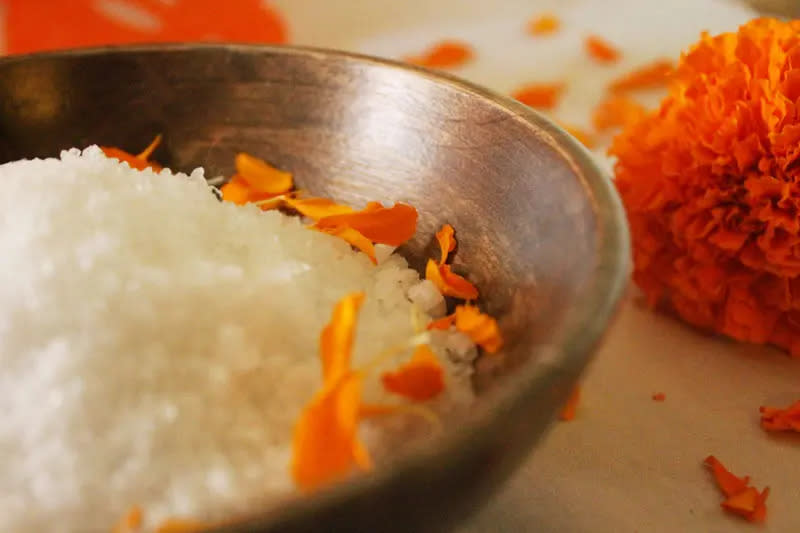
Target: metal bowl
{"type": "Point", "coordinates": [541, 229]}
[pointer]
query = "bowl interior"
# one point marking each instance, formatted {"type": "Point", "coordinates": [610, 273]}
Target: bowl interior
{"type": "Point", "coordinates": [539, 229]}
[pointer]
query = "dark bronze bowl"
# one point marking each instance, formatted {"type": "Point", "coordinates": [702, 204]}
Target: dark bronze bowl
{"type": "Point", "coordinates": [540, 228]}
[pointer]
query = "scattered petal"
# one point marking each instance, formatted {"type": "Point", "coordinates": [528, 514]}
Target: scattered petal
{"type": "Point", "coordinates": [385, 225]}
{"type": "Point", "coordinates": [779, 419]}
{"type": "Point", "coordinates": [540, 95]}
{"type": "Point", "coordinates": [338, 336]}
{"type": "Point", "coordinates": [479, 327]}
{"type": "Point", "coordinates": [743, 502]}
{"type": "Point", "coordinates": [544, 24]}
{"type": "Point", "coordinates": [236, 191]}
{"type": "Point", "coordinates": [443, 323]}
{"type": "Point", "coordinates": [138, 162]}
{"type": "Point", "coordinates": [448, 282]}
{"type": "Point", "coordinates": [446, 54]}
{"type": "Point", "coordinates": [317, 208]}
{"type": "Point", "coordinates": [355, 239]}
{"type": "Point", "coordinates": [447, 241]}
{"type": "Point", "coordinates": [649, 76]}
{"type": "Point", "coordinates": [729, 484]}
{"type": "Point", "coordinates": [601, 50]}
{"type": "Point", "coordinates": [659, 397]}
{"type": "Point", "coordinates": [261, 176]}
{"type": "Point", "coordinates": [147, 152]}
{"type": "Point", "coordinates": [420, 379]}
{"type": "Point", "coordinates": [570, 408]}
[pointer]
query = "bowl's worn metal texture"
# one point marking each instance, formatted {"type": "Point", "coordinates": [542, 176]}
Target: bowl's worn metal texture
{"type": "Point", "coordinates": [540, 229]}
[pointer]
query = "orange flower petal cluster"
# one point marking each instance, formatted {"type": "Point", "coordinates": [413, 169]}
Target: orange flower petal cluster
{"type": "Point", "coordinates": [777, 419]}
{"type": "Point", "coordinates": [139, 161]}
{"type": "Point", "coordinates": [711, 186]}
{"type": "Point", "coordinates": [741, 499]}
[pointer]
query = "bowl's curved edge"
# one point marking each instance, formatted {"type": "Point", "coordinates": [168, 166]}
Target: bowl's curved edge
{"type": "Point", "coordinates": [584, 325]}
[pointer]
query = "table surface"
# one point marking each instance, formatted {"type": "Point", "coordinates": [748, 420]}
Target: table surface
{"type": "Point", "coordinates": [626, 463]}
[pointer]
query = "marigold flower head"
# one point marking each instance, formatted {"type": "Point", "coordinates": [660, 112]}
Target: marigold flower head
{"type": "Point", "coordinates": [710, 184]}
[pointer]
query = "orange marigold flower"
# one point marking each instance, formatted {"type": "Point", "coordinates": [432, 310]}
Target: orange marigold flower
{"type": "Point", "coordinates": [539, 95]}
{"type": "Point", "coordinates": [777, 419]}
{"type": "Point", "coordinates": [445, 54]}
{"type": "Point", "coordinates": [420, 379]}
{"type": "Point", "coordinates": [544, 24]}
{"type": "Point", "coordinates": [710, 186]}
{"type": "Point", "coordinates": [601, 50]}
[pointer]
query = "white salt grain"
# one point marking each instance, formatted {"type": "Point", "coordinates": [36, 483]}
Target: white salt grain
{"type": "Point", "coordinates": [156, 345]}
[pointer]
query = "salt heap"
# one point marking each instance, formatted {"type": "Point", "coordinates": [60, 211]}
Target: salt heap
{"type": "Point", "coordinates": [157, 345]}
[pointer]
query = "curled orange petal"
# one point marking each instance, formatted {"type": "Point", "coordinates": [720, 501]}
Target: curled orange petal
{"type": "Point", "coordinates": [137, 162]}
{"type": "Point", "coordinates": [317, 208]}
{"type": "Point", "coordinates": [443, 323]}
{"type": "Point", "coordinates": [261, 176]}
{"type": "Point", "coordinates": [337, 338]}
{"type": "Point", "coordinates": [649, 76]}
{"type": "Point", "coordinates": [617, 112]}
{"type": "Point", "coordinates": [728, 483]}
{"type": "Point", "coordinates": [130, 522]}
{"type": "Point", "coordinates": [570, 408]}
{"type": "Point", "coordinates": [601, 50]}
{"type": "Point", "coordinates": [420, 379]}
{"type": "Point", "coordinates": [447, 241]}
{"type": "Point", "coordinates": [539, 95]}
{"type": "Point", "coordinates": [544, 24]}
{"type": "Point", "coordinates": [445, 54]}
{"type": "Point", "coordinates": [448, 282]}
{"type": "Point", "coordinates": [355, 239]}
{"type": "Point", "coordinates": [479, 327]}
{"type": "Point", "coordinates": [236, 191]}
{"type": "Point", "coordinates": [325, 446]}
{"type": "Point", "coordinates": [385, 225]}
{"type": "Point", "coordinates": [781, 419]}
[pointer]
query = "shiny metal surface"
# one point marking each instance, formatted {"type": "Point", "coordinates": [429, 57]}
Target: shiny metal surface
{"type": "Point", "coordinates": [540, 228]}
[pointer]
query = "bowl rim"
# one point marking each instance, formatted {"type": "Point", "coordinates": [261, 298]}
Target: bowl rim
{"type": "Point", "coordinates": [584, 326]}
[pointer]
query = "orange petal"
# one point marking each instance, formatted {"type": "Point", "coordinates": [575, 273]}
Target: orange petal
{"type": "Point", "coordinates": [385, 225]}
{"type": "Point", "coordinates": [649, 76]}
{"type": "Point", "coordinates": [479, 327]}
{"type": "Point", "coordinates": [132, 160]}
{"type": "Point", "coordinates": [779, 419]}
{"type": "Point", "coordinates": [729, 484]}
{"type": "Point", "coordinates": [129, 523]}
{"type": "Point", "coordinates": [584, 137]}
{"type": "Point", "coordinates": [760, 512]}
{"type": "Point", "coordinates": [445, 54]}
{"type": "Point", "coordinates": [325, 445]}
{"type": "Point", "coordinates": [336, 340]}
{"type": "Point", "coordinates": [544, 24]}
{"type": "Point", "coordinates": [659, 397]}
{"type": "Point", "coordinates": [236, 191]}
{"type": "Point", "coordinates": [355, 239]}
{"type": "Point", "coordinates": [261, 176]}
{"type": "Point", "coordinates": [449, 283]}
{"type": "Point", "coordinates": [569, 409]}
{"type": "Point", "coordinates": [181, 525]}
{"type": "Point", "coordinates": [443, 323]}
{"type": "Point", "coordinates": [540, 95]}
{"type": "Point", "coordinates": [601, 50]}
{"type": "Point", "coordinates": [743, 502]}
{"type": "Point", "coordinates": [147, 152]}
{"type": "Point", "coordinates": [447, 241]}
{"type": "Point", "coordinates": [420, 379]}
{"type": "Point", "coordinates": [617, 111]}
{"type": "Point", "coordinates": [317, 208]}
